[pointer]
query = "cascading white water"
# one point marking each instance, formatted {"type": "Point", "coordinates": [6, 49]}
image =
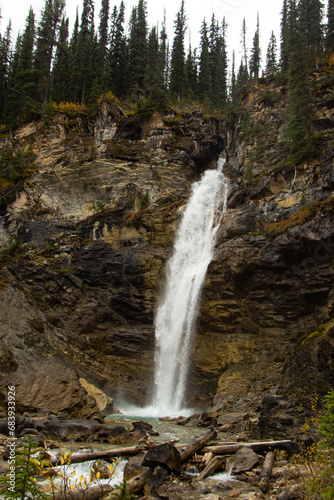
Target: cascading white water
{"type": "Point", "coordinates": [186, 270]}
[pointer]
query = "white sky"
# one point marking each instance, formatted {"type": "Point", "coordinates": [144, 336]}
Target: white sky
{"type": "Point", "coordinates": [233, 10]}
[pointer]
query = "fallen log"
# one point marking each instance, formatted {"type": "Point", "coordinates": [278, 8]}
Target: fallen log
{"type": "Point", "coordinates": [137, 483]}
{"type": "Point", "coordinates": [95, 455]}
{"type": "Point", "coordinates": [266, 471]}
{"type": "Point", "coordinates": [212, 466]}
{"type": "Point", "coordinates": [133, 486]}
{"type": "Point", "coordinates": [91, 493]}
{"type": "Point", "coordinates": [197, 444]}
{"type": "Point", "coordinates": [258, 447]}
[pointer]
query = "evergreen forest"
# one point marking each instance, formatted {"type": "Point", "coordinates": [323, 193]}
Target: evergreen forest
{"type": "Point", "coordinates": [47, 66]}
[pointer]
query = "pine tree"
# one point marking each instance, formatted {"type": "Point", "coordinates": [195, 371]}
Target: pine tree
{"type": "Point", "coordinates": [74, 62]}
{"type": "Point", "coordinates": [153, 76]}
{"type": "Point", "coordinates": [242, 80]}
{"type": "Point", "coordinates": [83, 52]}
{"type": "Point", "coordinates": [204, 76]}
{"type": "Point", "coordinates": [284, 59]}
{"type": "Point", "coordinates": [255, 59]}
{"type": "Point", "coordinates": [21, 99]}
{"type": "Point", "coordinates": [103, 33]}
{"type": "Point", "coordinates": [218, 62]}
{"type": "Point", "coordinates": [330, 26]}
{"type": "Point", "coordinates": [61, 66]}
{"type": "Point", "coordinates": [244, 47]}
{"type": "Point", "coordinates": [117, 76]}
{"type": "Point", "coordinates": [233, 85]}
{"type": "Point", "coordinates": [178, 74]}
{"type": "Point", "coordinates": [191, 90]}
{"type": "Point", "coordinates": [47, 33]}
{"type": "Point", "coordinates": [5, 54]}
{"type": "Point", "coordinates": [311, 13]}
{"type": "Point", "coordinates": [138, 49]}
{"type": "Point", "coordinates": [164, 52]}
{"type": "Point", "coordinates": [300, 110]}
{"type": "Point", "coordinates": [271, 60]}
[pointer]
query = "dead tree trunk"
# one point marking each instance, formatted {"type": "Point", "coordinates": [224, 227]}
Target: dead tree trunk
{"type": "Point", "coordinates": [258, 447]}
{"type": "Point", "coordinates": [212, 466]}
{"type": "Point", "coordinates": [134, 485]}
{"type": "Point", "coordinates": [197, 444]}
{"type": "Point", "coordinates": [92, 493]}
{"type": "Point", "coordinates": [266, 471]}
{"type": "Point", "coordinates": [94, 455]}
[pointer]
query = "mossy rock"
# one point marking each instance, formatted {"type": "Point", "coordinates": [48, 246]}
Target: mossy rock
{"type": "Point", "coordinates": [323, 330]}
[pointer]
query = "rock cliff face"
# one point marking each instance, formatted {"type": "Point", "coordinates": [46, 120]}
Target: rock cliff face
{"type": "Point", "coordinates": [96, 224]}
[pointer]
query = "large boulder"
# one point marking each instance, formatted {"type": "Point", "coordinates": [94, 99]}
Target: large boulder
{"type": "Point", "coordinates": [164, 455]}
{"type": "Point", "coordinates": [52, 384]}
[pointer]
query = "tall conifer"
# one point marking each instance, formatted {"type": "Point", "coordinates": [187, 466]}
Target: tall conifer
{"type": "Point", "coordinates": [103, 33]}
{"type": "Point", "coordinates": [191, 90]}
{"type": "Point", "coordinates": [233, 84]}
{"type": "Point", "coordinates": [330, 26]}
{"type": "Point", "coordinates": [310, 15]}
{"type": "Point", "coordinates": [244, 47]}
{"type": "Point", "coordinates": [284, 53]}
{"type": "Point", "coordinates": [271, 59]}
{"type": "Point", "coordinates": [74, 62]}
{"type": "Point", "coordinates": [117, 55]}
{"type": "Point", "coordinates": [300, 110]}
{"type": "Point", "coordinates": [204, 75]}
{"type": "Point", "coordinates": [47, 33]}
{"type": "Point", "coordinates": [178, 73]}
{"type": "Point", "coordinates": [138, 48]}
{"type": "Point", "coordinates": [5, 55]}
{"type": "Point", "coordinates": [255, 59]}
{"type": "Point", "coordinates": [60, 91]}
{"type": "Point", "coordinates": [23, 89]}
{"type": "Point", "coordinates": [84, 50]}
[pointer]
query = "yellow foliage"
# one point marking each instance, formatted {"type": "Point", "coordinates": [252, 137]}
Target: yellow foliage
{"type": "Point", "coordinates": [108, 97]}
{"type": "Point", "coordinates": [5, 184]}
{"type": "Point", "coordinates": [331, 59]}
{"type": "Point", "coordinates": [70, 108]}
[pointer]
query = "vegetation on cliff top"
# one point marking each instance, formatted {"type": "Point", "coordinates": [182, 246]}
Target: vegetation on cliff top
{"type": "Point", "coordinates": [50, 68]}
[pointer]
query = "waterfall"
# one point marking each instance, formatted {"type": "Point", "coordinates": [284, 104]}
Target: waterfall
{"type": "Point", "coordinates": [185, 274]}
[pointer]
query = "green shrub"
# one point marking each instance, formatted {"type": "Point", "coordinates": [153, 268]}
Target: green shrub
{"type": "Point", "coordinates": [325, 483]}
{"type": "Point", "coordinates": [144, 201]}
{"type": "Point", "coordinates": [23, 485]}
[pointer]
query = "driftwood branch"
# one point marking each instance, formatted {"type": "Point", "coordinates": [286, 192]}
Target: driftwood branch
{"type": "Point", "coordinates": [134, 485]}
{"type": "Point", "coordinates": [212, 466]}
{"type": "Point", "coordinates": [91, 493]}
{"type": "Point", "coordinates": [258, 447]}
{"type": "Point", "coordinates": [197, 444]}
{"type": "Point", "coordinates": [266, 471]}
{"type": "Point", "coordinates": [137, 483]}
{"type": "Point", "coordinates": [95, 455]}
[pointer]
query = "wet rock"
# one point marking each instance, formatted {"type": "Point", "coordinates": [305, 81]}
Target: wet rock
{"type": "Point", "coordinates": [102, 468]}
{"type": "Point", "coordinates": [244, 460]}
{"type": "Point", "coordinates": [159, 476]}
{"type": "Point", "coordinates": [141, 425]}
{"type": "Point", "coordinates": [134, 467]}
{"type": "Point", "coordinates": [120, 435]}
{"type": "Point", "coordinates": [165, 455]}
{"type": "Point", "coordinates": [72, 429]}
